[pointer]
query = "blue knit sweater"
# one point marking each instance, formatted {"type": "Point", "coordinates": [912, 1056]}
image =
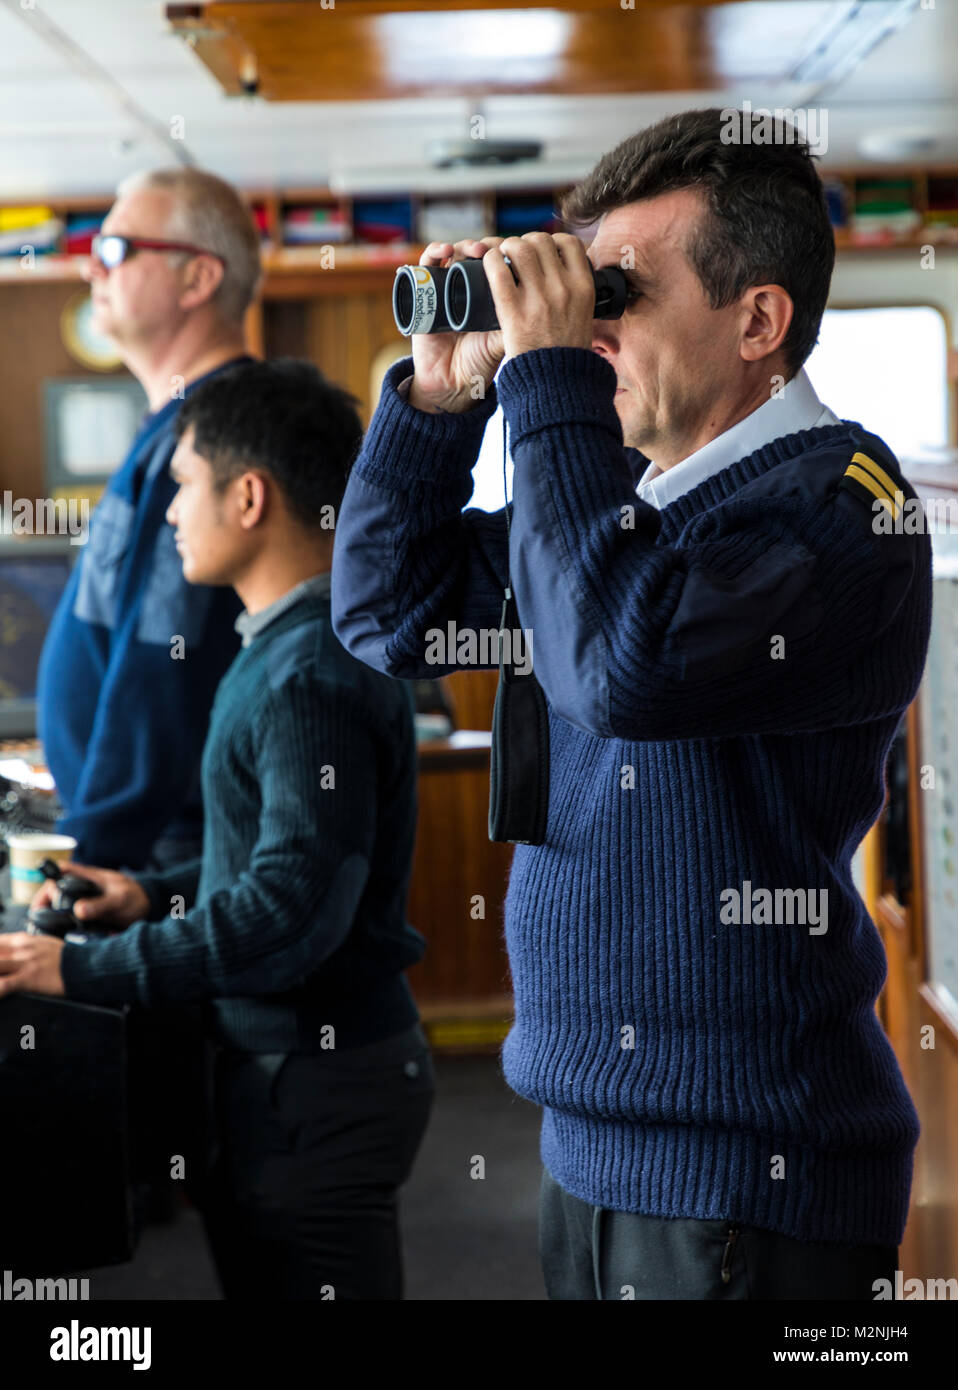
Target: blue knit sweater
{"type": "Point", "coordinates": [296, 913]}
{"type": "Point", "coordinates": [725, 678]}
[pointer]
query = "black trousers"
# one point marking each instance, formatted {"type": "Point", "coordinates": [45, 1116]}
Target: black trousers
{"type": "Point", "coordinates": [593, 1253]}
{"type": "Point", "coordinates": [300, 1199]}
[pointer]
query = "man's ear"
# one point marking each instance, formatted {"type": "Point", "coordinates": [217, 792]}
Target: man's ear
{"type": "Point", "coordinates": [204, 277]}
{"type": "Point", "coordinates": [252, 499]}
{"type": "Point", "coordinates": [768, 311]}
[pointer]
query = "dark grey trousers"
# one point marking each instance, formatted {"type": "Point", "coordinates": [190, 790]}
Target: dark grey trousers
{"type": "Point", "coordinates": [300, 1199]}
{"type": "Point", "coordinates": [591, 1252]}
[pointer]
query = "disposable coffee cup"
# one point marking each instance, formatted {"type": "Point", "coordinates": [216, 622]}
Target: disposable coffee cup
{"type": "Point", "coordinates": [27, 853]}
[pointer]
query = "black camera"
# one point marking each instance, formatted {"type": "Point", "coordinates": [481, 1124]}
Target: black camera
{"type": "Point", "coordinates": [58, 919]}
{"type": "Point", "coordinates": [457, 298]}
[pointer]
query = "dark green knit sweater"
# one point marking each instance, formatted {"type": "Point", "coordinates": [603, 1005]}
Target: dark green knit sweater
{"type": "Point", "coordinates": [309, 789]}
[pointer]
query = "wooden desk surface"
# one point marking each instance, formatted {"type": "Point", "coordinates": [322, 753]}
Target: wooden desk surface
{"type": "Point", "coordinates": [466, 748]}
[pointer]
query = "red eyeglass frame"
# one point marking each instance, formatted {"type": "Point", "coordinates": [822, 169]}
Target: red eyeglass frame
{"type": "Point", "coordinates": [145, 244]}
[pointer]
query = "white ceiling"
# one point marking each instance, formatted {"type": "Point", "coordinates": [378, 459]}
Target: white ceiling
{"type": "Point", "coordinates": [68, 128]}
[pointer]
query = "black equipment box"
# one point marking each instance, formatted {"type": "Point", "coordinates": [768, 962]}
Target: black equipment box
{"type": "Point", "coordinates": [64, 1161]}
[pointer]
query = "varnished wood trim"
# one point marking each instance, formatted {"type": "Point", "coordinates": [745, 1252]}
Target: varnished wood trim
{"type": "Point", "coordinates": [936, 1001]}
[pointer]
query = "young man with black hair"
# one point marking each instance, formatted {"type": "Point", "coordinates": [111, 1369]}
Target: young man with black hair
{"type": "Point", "coordinates": [291, 928]}
{"type": "Point", "coordinates": [727, 641]}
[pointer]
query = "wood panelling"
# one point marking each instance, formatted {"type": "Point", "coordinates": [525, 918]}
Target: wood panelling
{"type": "Point", "coordinates": [253, 329]}
{"type": "Point", "coordinates": [375, 50]}
{"type": "Point", "coordinates": [368, 51]}
{"type": "Point", "coordinates": [30, 352]}
{"type": "Point", "coordinates": [930, 1246]}
{"type": "Point", "coordinates": [343, 327]}
{"type": "Point", "coordinates": [285, 328]}
{"type": "Point", "coordinates": [472, 695]}
{"type": "Point", "coordinates": [923, 1031]}
{"type": "Point", "coordinates": [455, 863]}
{"type": "Point", "coordinates": [343, 333]}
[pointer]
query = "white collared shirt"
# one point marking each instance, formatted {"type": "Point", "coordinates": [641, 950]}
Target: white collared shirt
{"type": "Point", "coordinates": [797, 407]}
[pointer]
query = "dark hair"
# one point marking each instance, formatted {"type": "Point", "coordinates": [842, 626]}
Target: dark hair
{"type": "Point", "coordinates": [765, 219]}
{"type": "Point", "coordinates": [284, 418]}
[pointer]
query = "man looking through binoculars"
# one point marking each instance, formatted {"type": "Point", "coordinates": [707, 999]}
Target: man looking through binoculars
{"type": "Point", "coordinates": [692, 546]}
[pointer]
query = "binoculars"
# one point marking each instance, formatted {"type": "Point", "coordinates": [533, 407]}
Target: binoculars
{"type": "Point", "coordinates": [457, 298]}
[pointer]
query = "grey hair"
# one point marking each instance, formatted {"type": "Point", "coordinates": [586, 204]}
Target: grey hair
{"type": "Point", "coordinates": [208, 212]}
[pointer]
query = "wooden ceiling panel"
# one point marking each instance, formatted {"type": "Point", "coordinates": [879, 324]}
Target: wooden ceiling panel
{"type": "Point", "coordinates": [368, 50]}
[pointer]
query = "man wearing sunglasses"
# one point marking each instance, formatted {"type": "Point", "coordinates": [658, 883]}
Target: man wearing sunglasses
{"type": "Point", "coordinates": [134, 654]}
